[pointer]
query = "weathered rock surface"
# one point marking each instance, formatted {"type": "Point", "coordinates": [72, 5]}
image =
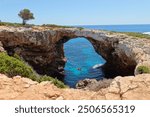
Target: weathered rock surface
{"type": "Point", "coordinates": [93, 84]}
{"type": "Point", "coordinates": [1, 48]}
{"type": "Point", "coordinates": [42, 48]}
{"type": "Point", "coordinates": [121, 88]}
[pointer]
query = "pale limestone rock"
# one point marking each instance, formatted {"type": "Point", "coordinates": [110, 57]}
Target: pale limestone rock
{"type": "Point", "coordinates": [112, 96]}
{"type": "Point", "coordinates": [122, 88]}
{"type": "Point", "coordinates": [114, 88]}
{"type": "Point", "coordinates": [60, 98]}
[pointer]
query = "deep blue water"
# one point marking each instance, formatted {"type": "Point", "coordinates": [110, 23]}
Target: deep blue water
{"type": "Point", "coordinates": [121, 28]}
{"type": "Point", "coordinates": [81, 56]}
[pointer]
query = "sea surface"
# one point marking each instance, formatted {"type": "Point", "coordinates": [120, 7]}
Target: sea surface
{"type": "Point", "coordinates": [82, 58]}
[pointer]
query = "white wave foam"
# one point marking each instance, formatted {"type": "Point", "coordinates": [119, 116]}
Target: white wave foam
{"type": "Point", "coordinates": [148, 33]}
{"type": "Point", "coordinates": [97, 66]}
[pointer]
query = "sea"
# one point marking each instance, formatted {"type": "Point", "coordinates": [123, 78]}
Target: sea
{"type": "Point", "coordinates": [82, 60]}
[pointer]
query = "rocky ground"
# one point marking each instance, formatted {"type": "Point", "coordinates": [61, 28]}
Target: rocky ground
{"type": "Point", "coordinates": [121, 88]}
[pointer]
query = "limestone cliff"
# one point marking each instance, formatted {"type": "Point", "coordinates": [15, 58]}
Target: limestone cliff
{"type": "Point", "coordinates": [42, 48]}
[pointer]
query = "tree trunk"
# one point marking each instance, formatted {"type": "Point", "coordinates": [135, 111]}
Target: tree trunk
{"type": "Point", "coordinates": [24, 22]}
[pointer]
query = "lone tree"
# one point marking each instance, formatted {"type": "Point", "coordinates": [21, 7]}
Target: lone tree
{"type": "Point", "coordinates": [26, 15]}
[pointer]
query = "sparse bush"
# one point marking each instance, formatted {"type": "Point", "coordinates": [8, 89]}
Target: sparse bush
{"type": "Point", "coordinates": [138, 35]}
{"type": "Point", "coordinates": [10, 24]}
{"type": "Point", "coordinates": [56, 26]}
{"type": "Point", "coordinates": [143, 69]}
{"type": "Point", "coordinates": [55, 81]}
{"type": "Point", "coordinates": [15, 24]}
{"type": "Point", "coordinates": [80, 28]}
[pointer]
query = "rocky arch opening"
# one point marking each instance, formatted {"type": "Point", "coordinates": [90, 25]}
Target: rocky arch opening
{"type": "Point", "coordinates": [81, 61]}
{"type": "Point", "coordinates": [118, 63]}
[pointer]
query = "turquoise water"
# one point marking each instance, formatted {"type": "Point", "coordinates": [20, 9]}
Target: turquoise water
{"type": "Point", "coordinates": [81, 54]}
{"type": "Point", "coordinates": [81, 57]}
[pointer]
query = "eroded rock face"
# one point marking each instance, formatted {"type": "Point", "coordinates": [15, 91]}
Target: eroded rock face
{"type": "Point", "coordinates": [121, 88]}
{"type": "Point", "coordinates": [42, 48]}
{"type": "Point", "coordinates": [1, 47]}
{"type": "Point", "coordinates": [93, 84]}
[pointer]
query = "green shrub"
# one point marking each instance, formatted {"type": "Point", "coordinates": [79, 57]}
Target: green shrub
{"type": "Point", "coordinates": [55, 81]}
{"type": "Point", "coordinates": [13, 66]}
{"type": "Point", "coordinates": [17, 57]}
{"type": "Point", "coordinates": [80, 28]}
{"type": "Point", "coordinates": [143, 69]}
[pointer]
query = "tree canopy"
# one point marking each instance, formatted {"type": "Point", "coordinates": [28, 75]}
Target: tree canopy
{"type": "Point", "coordinates": [26, 15]}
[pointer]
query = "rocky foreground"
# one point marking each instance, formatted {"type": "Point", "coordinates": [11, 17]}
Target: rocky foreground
{"type": "Point", "coordinates": [121, 88]}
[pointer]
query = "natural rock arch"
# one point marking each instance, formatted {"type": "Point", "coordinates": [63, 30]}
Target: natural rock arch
{"type": "Point", "coordinates": [117, 64]}
{"type": "Point", "coordinates": [42, 48]}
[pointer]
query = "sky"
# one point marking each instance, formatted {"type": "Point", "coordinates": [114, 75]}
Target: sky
{"type": "Point", "coordinates": [78, 12]}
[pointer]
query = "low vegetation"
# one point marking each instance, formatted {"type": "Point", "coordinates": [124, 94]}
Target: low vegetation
{"type": "Point", "coordinates": [59, 26]}
{"type": "Point", "coordinates": [133, 34]}
{"type": "Point", "coordinates": [10, 24]}
{"type": "Point", "coordinates": [143, 69]}
{"type": "Point", "coordinates": [55, 81]}
{"type": "Point", "coordinates": [139, 35]}
{"type": "Point", "coordinates": [56, 26]}
{"type": "Point", "coordinates": [15, 24]}
{"type": "Point", "coordinates": [80, 28]}
{"type": "Point", "coordinates": [30, 25]}
{"type": "Point", "coordinates": [13, 66]}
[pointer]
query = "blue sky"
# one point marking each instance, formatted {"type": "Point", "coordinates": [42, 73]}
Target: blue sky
{"type": "Point", "coordinates": [78, 12]}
